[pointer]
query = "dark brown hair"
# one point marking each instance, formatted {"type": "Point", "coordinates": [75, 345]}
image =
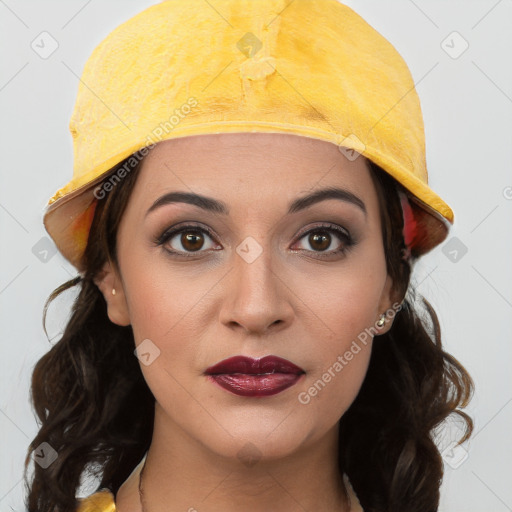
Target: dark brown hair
{"type": "Point", "coordinates": [96, 409]}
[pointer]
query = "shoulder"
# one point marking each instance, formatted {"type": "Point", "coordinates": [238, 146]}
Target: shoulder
{"type": "Point", "coordinates": [101, 501]}
{"type": "Point", "coordinates": [355, 506]}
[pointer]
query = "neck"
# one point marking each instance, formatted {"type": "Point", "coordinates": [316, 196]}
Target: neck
{"type": "Point", "coordinates": [180, 474]}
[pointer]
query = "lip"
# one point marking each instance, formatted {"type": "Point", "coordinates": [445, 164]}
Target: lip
{"type": "Point", "coordinates": [246, 376]}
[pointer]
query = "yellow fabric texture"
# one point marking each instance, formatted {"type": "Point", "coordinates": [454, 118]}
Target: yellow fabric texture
{"type": "Point", "coordinates": [312, 68]}
{"type": "Point", "coordinates": [101, 501]}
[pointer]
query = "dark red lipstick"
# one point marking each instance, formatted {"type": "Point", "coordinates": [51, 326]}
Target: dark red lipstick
{"type": "Point", "coordinates": [246, 376]}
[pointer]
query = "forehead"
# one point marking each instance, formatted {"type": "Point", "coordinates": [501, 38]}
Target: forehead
{"type": "Point", "coordinates": [237, 156]}
{"type": "Point", "coordinates": [250, 168]}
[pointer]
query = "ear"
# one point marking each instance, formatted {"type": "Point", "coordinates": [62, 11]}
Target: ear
{"type": "Point", "coordinates": [117, 308]}
{"type": "Point", "coordinates": [388, 306]}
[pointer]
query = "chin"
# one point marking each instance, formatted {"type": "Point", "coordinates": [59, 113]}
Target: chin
{"type": "Point", "coordinates": [252, 440]}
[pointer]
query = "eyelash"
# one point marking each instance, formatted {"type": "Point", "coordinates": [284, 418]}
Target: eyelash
{"type": "Point", "coordinates": [341, 233]}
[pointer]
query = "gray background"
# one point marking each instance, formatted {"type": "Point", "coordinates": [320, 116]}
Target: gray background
{"type": "Point", "coordinates": [467, 104]}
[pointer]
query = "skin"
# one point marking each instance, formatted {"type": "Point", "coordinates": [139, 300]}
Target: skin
{"type": "Point", "coordinates": [287, 302]}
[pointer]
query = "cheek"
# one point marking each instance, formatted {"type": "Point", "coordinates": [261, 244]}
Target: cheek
{"type": "Point", "coordinates": [161, 302]}
{"type": "Point", "coordinates": [169, 309]}
{"type": "Point", "coordinates": [344, 308]}
{"type": "Point", "coordinates": [344, 302]}
{"type": "Point", "coordinates": [339, 360]}
{"type": "Point", "coordinates": [328, 394]}
{"type": "Point", "coordinates": [166, 317]}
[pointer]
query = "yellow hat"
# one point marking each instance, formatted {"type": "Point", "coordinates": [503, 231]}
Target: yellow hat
{"type": "Point", "coordinates": [313, 68]}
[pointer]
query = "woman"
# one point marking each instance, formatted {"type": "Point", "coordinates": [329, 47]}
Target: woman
{"type": "Point", "coordinates": [248, 201]}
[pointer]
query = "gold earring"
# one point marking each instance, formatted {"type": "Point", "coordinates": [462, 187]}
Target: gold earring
{"type": "Point", "coordinates": [382, 320]}
{"type": "Point", "coordinates": [113, 291]}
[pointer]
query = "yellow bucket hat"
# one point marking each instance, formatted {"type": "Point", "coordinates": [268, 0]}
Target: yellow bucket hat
{"type": "Point", "coordinates": [313, 68]}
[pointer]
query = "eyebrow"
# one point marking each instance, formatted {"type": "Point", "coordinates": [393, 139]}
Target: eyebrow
{"type": "Point", "coordinates": [215, 206]}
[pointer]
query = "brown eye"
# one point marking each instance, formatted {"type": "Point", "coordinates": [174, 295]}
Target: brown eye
{"type": "Point", "coordinates": [319, 240]}
{"type": "Point", "coordinates": [185, 240]}
{"type": "Point", "coordinates": [192, 240]}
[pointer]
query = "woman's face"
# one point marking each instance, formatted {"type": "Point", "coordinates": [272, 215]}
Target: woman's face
{"type": "Point", "coordinates": [248, 278]}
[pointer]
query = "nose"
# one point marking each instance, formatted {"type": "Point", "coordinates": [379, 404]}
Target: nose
{"type": "Point", "coordinates": [257, 299]}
